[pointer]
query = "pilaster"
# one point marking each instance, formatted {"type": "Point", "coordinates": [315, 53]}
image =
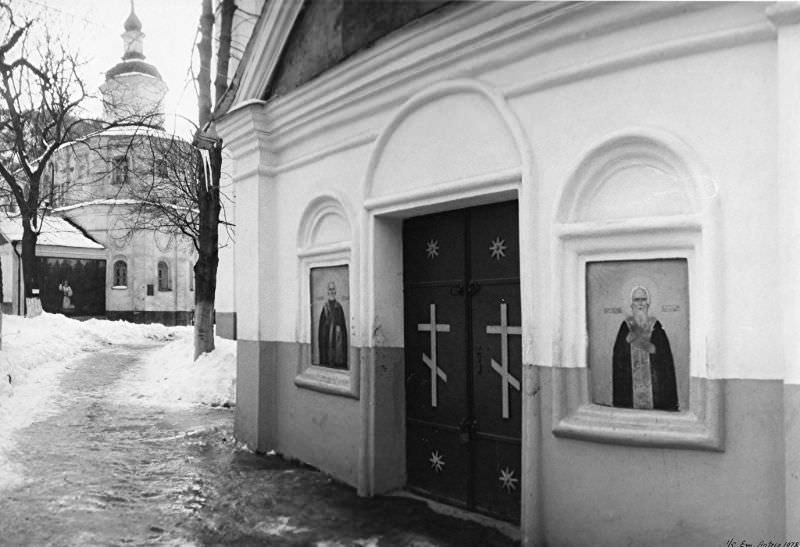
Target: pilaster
{"type": "Point", "coordinates": [248, 143]}
{"type": "Point", "coordinates": [786, 18]}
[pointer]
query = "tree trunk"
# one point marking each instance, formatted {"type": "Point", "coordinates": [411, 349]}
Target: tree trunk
{"type": "Point", "coordinates": [30, 270]}
{"type": "Point", "coordinates": [204, 74]}
{"type": "Point", "coordinates": [2, 281]}
{"type": "Point", "coordinates": [208, 190]}
{"type": "Point", "coordinates": [224, 49]}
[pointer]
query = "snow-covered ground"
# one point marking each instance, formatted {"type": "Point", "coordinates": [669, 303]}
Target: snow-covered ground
{"type": "Point", "coordinates": [36, 351]}
{"type": "Point", "coordinates": [170, 377]}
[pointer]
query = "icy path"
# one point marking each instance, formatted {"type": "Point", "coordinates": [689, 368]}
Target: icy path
{"type": "Point", "coordinates": [100, 469]}
{"type": "Point", "coordinates": [96, 472]}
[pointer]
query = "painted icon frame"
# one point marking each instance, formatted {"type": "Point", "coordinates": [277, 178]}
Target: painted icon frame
{"type": "Point", "coordinates": [329, 292]}
{"type": "Point", "coordinates": [638, 333]}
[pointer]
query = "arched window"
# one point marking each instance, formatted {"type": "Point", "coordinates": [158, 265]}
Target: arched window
{"type": "Point", "coordinates": [120, 273]}
{"type": "Point", "coordinates": [163, 277]}
{"type": "Point", "coordinates": [119, 170]}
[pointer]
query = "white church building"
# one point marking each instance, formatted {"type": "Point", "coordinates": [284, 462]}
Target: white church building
{"type": "Point", "coordinates": [148, 273]}
{"type": "Point", "coordinates": [522, 258]}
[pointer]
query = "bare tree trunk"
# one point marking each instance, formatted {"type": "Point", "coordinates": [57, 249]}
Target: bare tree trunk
{"type": "Point", "coordinates": [224, 51]}
{"type": "Point", "coordinates": [204, 74]}
{"type": "Point", "coordinates": [1, 309]}
{"type": "Point", "coordinates": [208, 259]}
{"type": "Point", "coordinates": [208, 191]}
{"type": "Point", "coordinates": [33, 304]}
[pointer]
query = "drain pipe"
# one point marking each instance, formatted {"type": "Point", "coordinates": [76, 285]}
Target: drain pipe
{"type": "Point", "coordinates": [20, 300]}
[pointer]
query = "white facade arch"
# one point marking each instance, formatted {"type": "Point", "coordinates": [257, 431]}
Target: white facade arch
{"type": "Point", "coordinates": [639, 194]}
{"type": "Point", "coordinates": [454, 144]}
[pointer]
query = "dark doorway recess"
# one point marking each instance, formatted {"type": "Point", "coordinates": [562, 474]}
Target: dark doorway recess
{"type": "Point", "coordinates": [463, 357]}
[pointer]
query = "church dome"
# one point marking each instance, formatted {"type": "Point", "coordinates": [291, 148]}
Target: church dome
{"type": "Point", "coordinates": [133, 22]}
{"type": "Point", "coordinates": [134, 65]}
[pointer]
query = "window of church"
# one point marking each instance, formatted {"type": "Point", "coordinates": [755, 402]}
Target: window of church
{"type": "Point", "coordinates": [48, 179]}
{"type": "Point", "coordinates": [120, 274]}
{"type": "Point", "coordinates": [163, 277]}
{"type": "Point", "coordinates": [120, 170]}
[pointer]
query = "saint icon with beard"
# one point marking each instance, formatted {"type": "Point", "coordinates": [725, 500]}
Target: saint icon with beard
{"type": "Point", "coordinates": [643, 368]}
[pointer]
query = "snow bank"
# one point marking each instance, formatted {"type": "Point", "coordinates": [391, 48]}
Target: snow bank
{"type": "Point", "coordinates": [37, 350]}
{"type": "Point", "coordinates": [52, 339]}
{"type": "Point", "coordinates": [169, 376]}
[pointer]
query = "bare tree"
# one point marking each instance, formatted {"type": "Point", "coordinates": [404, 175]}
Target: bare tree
{"type": "Point", "coordinates": [41, 94]}
{"type": "Point", "coordinates": [181, 192]}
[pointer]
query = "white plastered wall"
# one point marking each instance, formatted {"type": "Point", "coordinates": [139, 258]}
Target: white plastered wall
{"type": "Point", "coordinates": [678, 72]}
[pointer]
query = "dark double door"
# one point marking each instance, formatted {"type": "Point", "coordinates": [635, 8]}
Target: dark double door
{"type": "Point", "coordinates": [463, 357]}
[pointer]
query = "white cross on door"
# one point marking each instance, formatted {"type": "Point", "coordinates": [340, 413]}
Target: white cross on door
{"type": "Point", "coordinates": [433, 328]}
{"type": "Point", "coordinates": [502, 368]}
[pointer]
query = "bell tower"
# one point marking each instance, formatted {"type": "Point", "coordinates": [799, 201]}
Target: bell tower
{"type": "Point", "coordinates": [134, 90]}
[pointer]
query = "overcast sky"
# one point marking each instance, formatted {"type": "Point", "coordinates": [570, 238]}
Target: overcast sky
{"type": "Point", "coordinates": [94, 28]}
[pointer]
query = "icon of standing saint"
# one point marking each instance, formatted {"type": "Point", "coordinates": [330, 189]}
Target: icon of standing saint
{"type": "Point", "coordinates": [332, 336]}
{"type": "Point", "coordinates": [643, 367]}
{"type": "Point", "coordinates": [330, 304]}
{"type": "Point", "coordinates": [637, 320]}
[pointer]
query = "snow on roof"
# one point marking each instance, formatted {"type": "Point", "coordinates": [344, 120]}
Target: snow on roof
{"type": "Point", "coordinates": [115, 202]}
{"type": "Point", "coordinates": [55, 231]}
{"type": "Point", "coordinates": [132, 130]}
{"type": "Point", "coordinates": [111, 202]}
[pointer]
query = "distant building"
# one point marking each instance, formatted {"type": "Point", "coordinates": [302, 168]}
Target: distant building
{"type": "Point", "coordinates": [64, 252]}
{"type": "Point", "coordinates": [148, 275]}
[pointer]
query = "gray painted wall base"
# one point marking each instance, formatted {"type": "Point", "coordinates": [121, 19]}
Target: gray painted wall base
{"type": "Point", "coordinates": [164, 317]}
{"type": "Point", "coordinates": [226, 325]}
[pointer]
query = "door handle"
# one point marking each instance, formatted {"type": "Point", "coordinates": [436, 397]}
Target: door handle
{"type": "Point", "coordinates": [466, 428]}
{"type": "Point", "coordinates": [479, 356]}
{"type": "Point", "coordinates": [457, 291]}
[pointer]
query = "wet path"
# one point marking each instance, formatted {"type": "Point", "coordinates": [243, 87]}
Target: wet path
{"type": "Point", "coordinates": [104, 471]}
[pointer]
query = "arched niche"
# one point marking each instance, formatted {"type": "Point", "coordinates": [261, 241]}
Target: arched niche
{"type": "Point", "coordinates": [639, 209]}
{"type": "Point", "coordinates": [454, 134]}
{"type": "Point", "coordinates": [324, 223]}
{"type": "Point", "coordinates": [639, 173]}
{"type": "Point", "coordinates": [325, 251]}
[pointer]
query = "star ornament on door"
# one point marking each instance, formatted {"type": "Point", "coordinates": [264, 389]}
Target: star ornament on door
{"type": "Point", "coordinates": [498, 248]}
{"type": "Point", "coordinates": [432, 249]}
{"type": "Point", "coordinates": [430, 361]}
{"type": "Point", "coordinates": [437, 461]}
{"type": "Point", "coordinates": [501, 368]}
{"type": "Point", "coordinates": [507, 479]}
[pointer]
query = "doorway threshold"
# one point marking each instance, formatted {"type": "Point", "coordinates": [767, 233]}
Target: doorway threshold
{"type": "Point", "coordinates": [509, 530]}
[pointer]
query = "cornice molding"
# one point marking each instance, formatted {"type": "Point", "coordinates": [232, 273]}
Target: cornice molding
{"type": "Point", "coordinates": [732, 37]}
{"type": "Point", "coordinates": [239, 127]}
{"type": "Point", "coordinates": [322, 153]}
{"type": "Point", "coordinates": [783, 13]}
{"type": "Point", "coordinates": [382, 78]}
{"type": "Point", "coordinates": [403, 65]}
{"type": "Point", "coordinates": [264, 51]}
